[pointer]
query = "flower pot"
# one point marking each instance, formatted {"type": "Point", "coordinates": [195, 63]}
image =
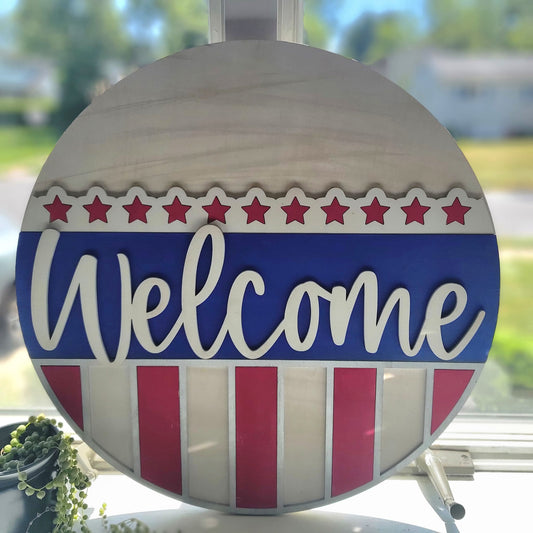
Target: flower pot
{"type": "Point", "coordinates": [20, 513]}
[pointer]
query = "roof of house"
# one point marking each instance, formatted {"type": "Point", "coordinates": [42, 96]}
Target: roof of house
{"type": "Point", "coordinates": [481, 67]}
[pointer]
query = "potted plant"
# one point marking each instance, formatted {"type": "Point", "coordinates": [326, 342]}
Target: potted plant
{"type": "Point", "coordinates": [41, 485]}
{"type": "Point", "coordinates": [42, 488]}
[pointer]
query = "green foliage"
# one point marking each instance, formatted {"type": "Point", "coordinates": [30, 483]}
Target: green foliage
{"type": "Point", "coordinates": [25, 147]}
{"type": "Point", "coordinates": [21, 105]}
{"type": "Point", "coordinates": [514, 352]}
{"type": "Point", "coordinates": [162, 27]}
{"type": "Point", "coordinates": [79, 36]}
{"type": "Point", "coordinates": [374, 36]}
{"type": "Point", "coordinates": [35, 440]}
{"type": "Point", "coordinates": [130, 525]}
{"type": "Point", "coordinates": [516, 267]}
{"type": "Point", "coordinates": [460, 25]}
{"type": "Point", "coordinates": [480, 24]}
{"type": "Point", "coordinates": [512, 349]}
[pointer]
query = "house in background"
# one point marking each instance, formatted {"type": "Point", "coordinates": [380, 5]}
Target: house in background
{"type": "Point", "coordinates": [28, 89]}
{"type": "Point", "coordinates": [474, 95]}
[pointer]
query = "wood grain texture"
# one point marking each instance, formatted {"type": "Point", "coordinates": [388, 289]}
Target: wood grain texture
{"type": "Point", "coordinates": [257, 113]}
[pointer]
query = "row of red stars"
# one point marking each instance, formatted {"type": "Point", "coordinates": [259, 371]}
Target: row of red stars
{"type": "Point", "coordinates": [295, 211]}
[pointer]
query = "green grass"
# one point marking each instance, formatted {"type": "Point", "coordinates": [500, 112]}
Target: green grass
{"type": "Point", "coordinates": [503, 164]}
{"type": "Point", "coordinates": [513, 244]}
{"type": "Point", "coordinates": [513, 341]}
{"type": "Point", "coordinates": [25, 148]}
{"type": "Point", "coordinates": [516, 306]}
{"type": "Point", "coordinates": [24, 104]}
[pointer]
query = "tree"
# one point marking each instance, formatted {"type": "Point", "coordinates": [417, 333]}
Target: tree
{"type": "Point", "coordinates": [468, 25]}
{"type": "Point", "coordinates": [319, 21]}
{"type": "Point", "coordinates": [80, 36]}
{"type": "Point", "coordinates": [162, 27]}
{"type": "Point", "coordinates": [373, 36]}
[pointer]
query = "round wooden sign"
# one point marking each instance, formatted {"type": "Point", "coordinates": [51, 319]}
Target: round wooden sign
{"type": "Point", "coordinates": [257, 276]}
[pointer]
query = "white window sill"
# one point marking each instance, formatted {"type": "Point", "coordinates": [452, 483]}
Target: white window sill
{"type": "Point", "coordinates": [494, 502]}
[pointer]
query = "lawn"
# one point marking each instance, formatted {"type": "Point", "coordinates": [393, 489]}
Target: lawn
{"type": "Point", "coordinates": [503, 164]}
{"type": "Point", "coordinates": [516, 306]}
{"type": "Point", "coordinates": [24, 148]}
{"type": "Point", "coordinates": [506, 384]}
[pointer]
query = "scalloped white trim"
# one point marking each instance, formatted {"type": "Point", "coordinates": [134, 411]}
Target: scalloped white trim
{"type": "Point", "coordinates": [476, 220]}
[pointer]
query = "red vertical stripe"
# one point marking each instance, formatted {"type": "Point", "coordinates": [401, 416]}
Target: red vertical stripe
{"type": "Point", "coordinates": [65, 381]}
{"type": "Point", "coordinates": [448, 387]}
{"type": "Point", "coordinates": [354, 403]}
{"type": "Point", "coordinates": [256, 436]}
{"type": "Point", "coordinates": [159, 426]}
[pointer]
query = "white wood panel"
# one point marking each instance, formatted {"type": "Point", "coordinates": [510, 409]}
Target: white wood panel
{"type": "Point", "coordinates": [110, 411]}
{"type": "Point", "coordinates": [402, 422]}
{"type": "Point", "coordinates": [207, 425]}
{"type": "Point", "coordinates": [304, 437]}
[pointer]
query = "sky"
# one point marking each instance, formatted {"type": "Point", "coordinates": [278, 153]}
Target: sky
{"type": "Point", "coordinates": [348, 10]}
{"type": "Point", "coordinates": [6, 5]}
{"type": "Point", "coordinates": [351, 9]}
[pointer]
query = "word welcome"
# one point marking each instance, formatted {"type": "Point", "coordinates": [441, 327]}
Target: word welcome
{"type": "Point", "coordinates": [136, 313]}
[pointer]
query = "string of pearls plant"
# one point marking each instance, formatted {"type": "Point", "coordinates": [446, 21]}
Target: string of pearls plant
{"type": "Point", "coordinates": [36, 439]}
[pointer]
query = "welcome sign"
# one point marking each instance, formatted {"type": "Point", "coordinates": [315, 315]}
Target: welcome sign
{"type": "Point", "coordinates": [246, 297]}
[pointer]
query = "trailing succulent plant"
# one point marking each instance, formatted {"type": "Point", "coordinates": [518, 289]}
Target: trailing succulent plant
{"type": "Point", "coordinates": [35, 440]}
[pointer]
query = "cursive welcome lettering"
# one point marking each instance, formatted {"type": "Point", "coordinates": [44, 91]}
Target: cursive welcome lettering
{"type": "Point", "coordinates": [136, 315]}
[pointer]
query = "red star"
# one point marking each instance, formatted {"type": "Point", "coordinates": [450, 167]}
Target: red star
{"type": "Point", "coordinates": [176, 211]}
{"type": "Point", "coordinates": [216, 211]}
{"type": "Point", "coordinates": [137, 210]}
{"type": "Point", "coordinates": [256, 211]}
{"type": "Point", "coordinates": [97, 210]}
{"type": "Point", "coordinates": [415, 212]}
{"type": "Point", "coordinates": [375, 211]}
{"type": "Point", "coordinates": [456, 212]}
{"type": "Point", "coordinates": [335, 211]}
{"type": "Point", "coordinates": [295, 211]}
{"type": "Point", "coordinates": [58, 210]}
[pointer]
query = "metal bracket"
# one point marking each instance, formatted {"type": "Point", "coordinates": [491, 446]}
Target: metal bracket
{"type": "Point", "coordinates": [431, 464]}
{"type": "Point", "coordinates": [231, 20]}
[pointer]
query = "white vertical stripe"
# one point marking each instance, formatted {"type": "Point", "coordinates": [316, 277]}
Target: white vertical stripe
{"type": "Point", "coordinates": [134, 399]}
{"type": "Point", "coordinates": [403, 413]}
{"type": "Point", "coordinates": [305, 426]}
{"type": "Point", "coordinates": [110, 408]}
{"type": "Point", "coordinates": [378, 422]}
{"type": "Point", "coordinates": [184, 441]}
{"type": "Point", "coordinates": [330, 376]}
{"type": "Point", "coordinates": [207, 423]}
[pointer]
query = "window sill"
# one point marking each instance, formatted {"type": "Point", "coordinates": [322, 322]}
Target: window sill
{"type": "Point", "coordinates": [493, 501]}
